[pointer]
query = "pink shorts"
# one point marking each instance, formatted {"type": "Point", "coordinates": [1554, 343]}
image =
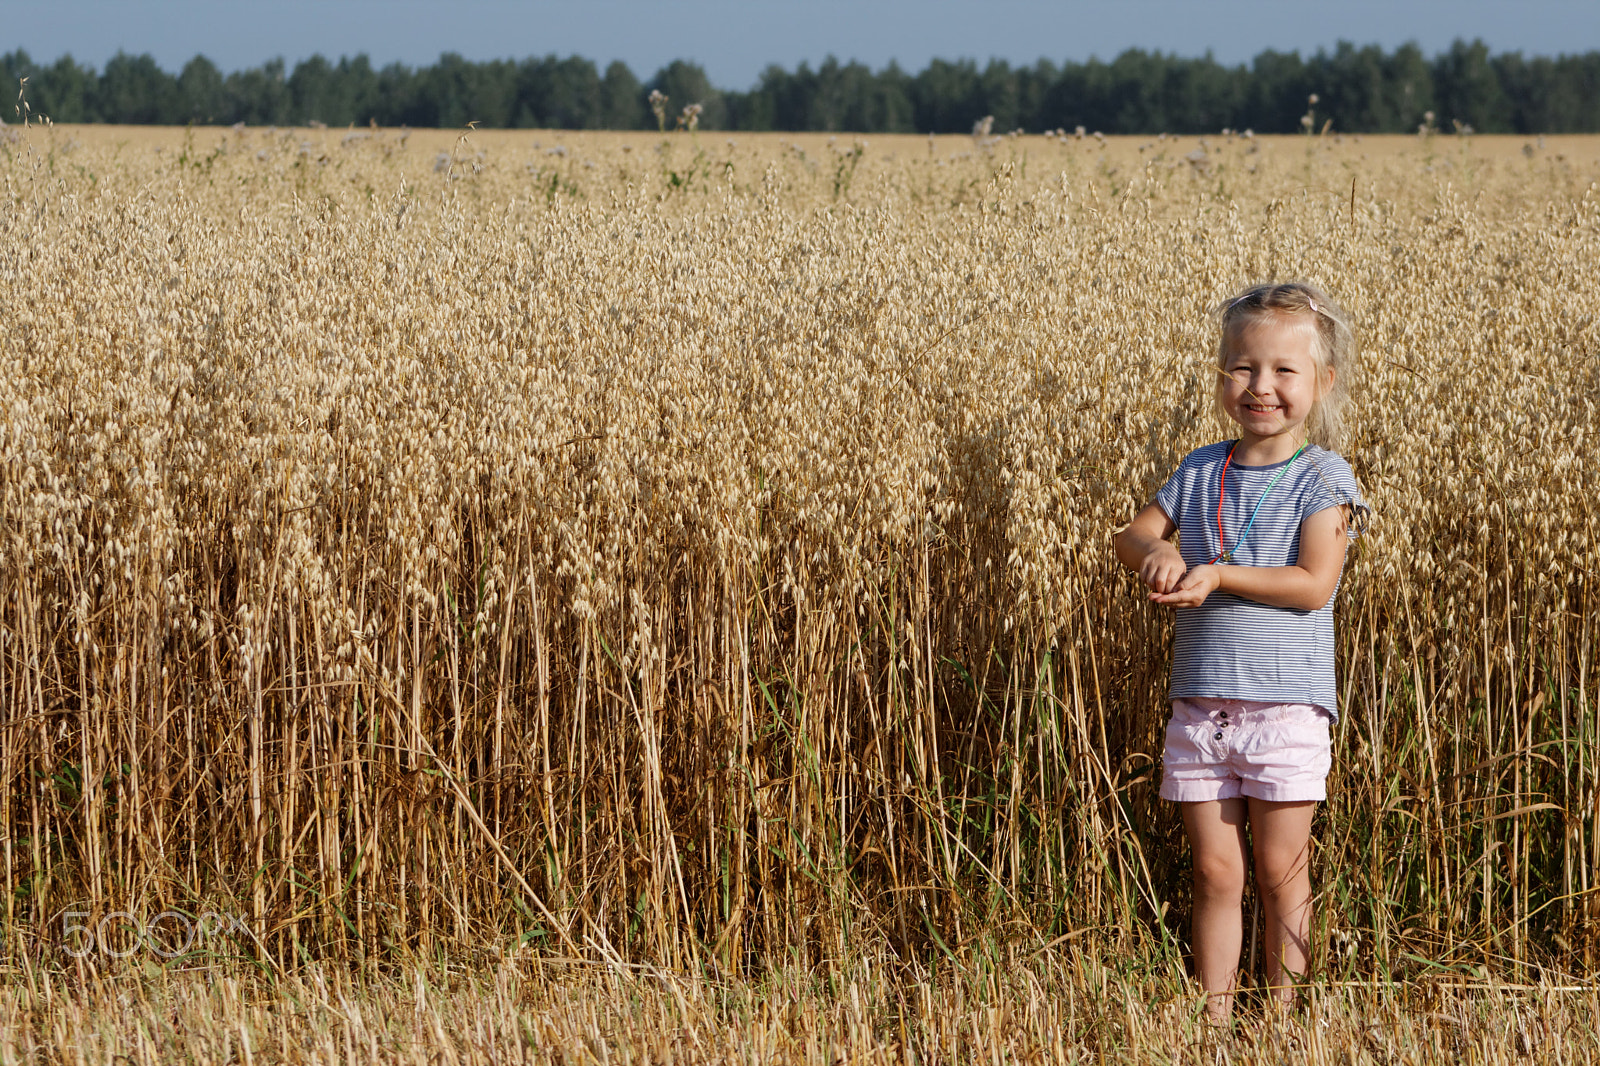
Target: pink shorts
{"type": "Point", "coordinates": [1221, 748]}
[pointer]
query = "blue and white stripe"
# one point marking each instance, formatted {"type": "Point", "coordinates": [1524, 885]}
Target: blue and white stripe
{"type": "Point", "coordinates": [1231, 647]}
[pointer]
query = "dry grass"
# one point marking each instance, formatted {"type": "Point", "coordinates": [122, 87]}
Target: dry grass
{"type": "Point", "coordinates": [696, 554]}
{"type": "Point", "coordinates": [1070, 1011]}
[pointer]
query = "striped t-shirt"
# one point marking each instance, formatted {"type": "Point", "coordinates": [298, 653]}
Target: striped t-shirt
{"type": "Point", "coordinates": [1231, 647]}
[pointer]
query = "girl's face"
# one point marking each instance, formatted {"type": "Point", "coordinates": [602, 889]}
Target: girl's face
{"type": "Point", "coordinates": [1271, 381]}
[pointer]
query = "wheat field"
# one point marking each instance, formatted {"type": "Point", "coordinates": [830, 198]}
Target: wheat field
{"type": "Point", "coordinates": [684, 561]}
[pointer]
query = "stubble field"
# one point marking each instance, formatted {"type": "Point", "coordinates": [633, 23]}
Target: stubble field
{"type": "Point", "coordinates": [557, 597]}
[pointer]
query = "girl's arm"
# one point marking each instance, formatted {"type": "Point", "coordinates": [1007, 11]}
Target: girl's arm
{"type": "Point", "coordinates": [1144, 545]}
{"type": "Point", "coordinates": [1306, 586]}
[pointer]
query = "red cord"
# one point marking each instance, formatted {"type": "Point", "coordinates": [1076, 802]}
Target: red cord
{"type": "Point", "coordinates": [1222, 493]}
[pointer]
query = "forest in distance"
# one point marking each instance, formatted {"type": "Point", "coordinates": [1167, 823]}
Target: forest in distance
{"type": "Point", "coordinates": [1356, 89]}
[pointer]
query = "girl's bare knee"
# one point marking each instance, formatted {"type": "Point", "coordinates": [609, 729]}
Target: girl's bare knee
{"type": "Point", "coordinates": [1218, 879]}
{"type": "Point", "coordinates": [1280, 871]}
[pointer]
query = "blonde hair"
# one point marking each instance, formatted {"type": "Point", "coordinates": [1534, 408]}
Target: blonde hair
{"type": "Point", "coordinates": [1334, 349]}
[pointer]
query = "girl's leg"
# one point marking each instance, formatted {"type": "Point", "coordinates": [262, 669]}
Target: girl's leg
{"type": "Point", "coordinates": [1216, 836]}
{"type": "Point", "coordinates": [1281, 833]}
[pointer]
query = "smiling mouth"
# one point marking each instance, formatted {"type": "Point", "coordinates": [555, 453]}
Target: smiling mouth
{"type": "Point", "coordinates": [1261, 408]}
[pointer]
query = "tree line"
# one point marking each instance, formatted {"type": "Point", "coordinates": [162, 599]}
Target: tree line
{"type": "Point", "coordinates": [1358, 89]}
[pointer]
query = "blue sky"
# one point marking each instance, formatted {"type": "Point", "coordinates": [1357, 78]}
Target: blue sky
{"type": "Point", "coordinates": [735, 39]}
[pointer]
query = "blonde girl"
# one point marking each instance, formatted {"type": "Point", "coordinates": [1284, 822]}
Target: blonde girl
{"type": "Point", "coordinates": [1263, 521]}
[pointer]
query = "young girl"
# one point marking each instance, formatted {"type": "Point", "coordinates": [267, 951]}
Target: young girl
{"type": "Point", "coordinates": [1263, 522]}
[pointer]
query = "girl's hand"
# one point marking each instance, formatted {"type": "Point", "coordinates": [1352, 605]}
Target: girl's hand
{"type": "Point", "coordinates": [1143, 547]}
{"type": "Point", "coordinates": [1193, 589]}
{"type": "Point", "coordinates": [1162, 568]}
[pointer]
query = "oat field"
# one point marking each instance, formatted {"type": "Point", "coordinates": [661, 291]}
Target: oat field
{"type": "Point", "coordinates": [685, 562]}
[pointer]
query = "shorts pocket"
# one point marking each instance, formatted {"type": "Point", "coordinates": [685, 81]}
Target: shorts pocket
{"type": "Point", "coordinates": [1291, 747]}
